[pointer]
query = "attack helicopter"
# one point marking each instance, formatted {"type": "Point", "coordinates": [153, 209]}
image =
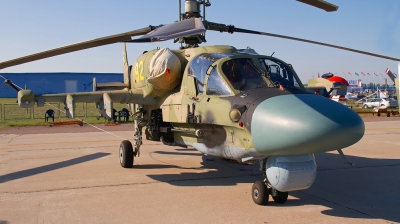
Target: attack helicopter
{"type": "Point", "coordinates": [226, 102]}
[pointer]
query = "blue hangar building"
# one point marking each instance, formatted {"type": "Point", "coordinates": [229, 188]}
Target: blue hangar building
{"type": "Point", "coordinates": [57, 82]}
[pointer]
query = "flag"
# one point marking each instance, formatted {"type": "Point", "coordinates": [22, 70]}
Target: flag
{"type": "Point", "coordinates": [368, 74]}
{"type": "Point", "coordinates": [344, 74]}
{"type": "Point", "coordinates": [362, 73]}
{"type": "Point", "coordinates": [357, 74]}
{"type": "Point", "coordinates": [375, 74]}
{"type": "Point", "coordinates": [349, 73]}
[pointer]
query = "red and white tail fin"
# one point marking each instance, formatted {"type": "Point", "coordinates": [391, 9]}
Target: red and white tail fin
{"type": "Point", "coordinates": [390, 74]}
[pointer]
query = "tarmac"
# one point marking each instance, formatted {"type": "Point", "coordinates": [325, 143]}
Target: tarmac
{"type": "Point", "coordinates": [76, 178]}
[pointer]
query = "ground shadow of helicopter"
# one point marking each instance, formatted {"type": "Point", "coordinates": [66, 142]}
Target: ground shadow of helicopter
{"type": "Point", "coordinates": [218, 171]}
{"type": "Point", "coordinates": [339, 187]}
{"type": "Point", "coordinates": [366, 190]}
{"type": "Point", "coordinates": [50, 167]}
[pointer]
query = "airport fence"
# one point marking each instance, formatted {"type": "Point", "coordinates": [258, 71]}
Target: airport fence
{"type": "Point", "coordinates": [11, 111]}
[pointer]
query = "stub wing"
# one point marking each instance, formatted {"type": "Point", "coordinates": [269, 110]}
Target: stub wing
{"type": "Point", "coordinates": [103, 100]}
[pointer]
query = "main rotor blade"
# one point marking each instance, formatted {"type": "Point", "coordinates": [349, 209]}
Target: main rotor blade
{"type": "Point", "coordinates": [184, 28]}
{"type": "Point", "coordinates": [77, 47]}
{"type": "Point", "coordinates": [232, 29]}
{"type": "Point", "coordinates": [329, 7]}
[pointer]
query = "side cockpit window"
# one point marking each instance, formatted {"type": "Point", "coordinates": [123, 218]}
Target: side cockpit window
{"type": "Point", "coordinates": [279, 73]}
{"type": "Point", "coordinates": [197, 69]}
{"type": "Point", "coordinates": [216, 86]}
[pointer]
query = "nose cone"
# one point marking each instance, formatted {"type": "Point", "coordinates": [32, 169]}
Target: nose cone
{"type": "Point", "coordinates": [303, 124]}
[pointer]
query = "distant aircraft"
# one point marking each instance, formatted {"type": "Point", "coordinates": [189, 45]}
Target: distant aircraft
{"type": "Point", "coordinates": [329, 85]}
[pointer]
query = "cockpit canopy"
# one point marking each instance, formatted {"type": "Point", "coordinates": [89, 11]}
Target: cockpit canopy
{"type": "Point", "coordinates": [239, 73]}
{"type": "Point", "coordinates": [243, 74]}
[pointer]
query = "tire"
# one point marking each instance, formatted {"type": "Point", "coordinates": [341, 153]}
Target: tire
{"type": "Point", "coordinates": [259, 193]}
{"type": "Point", "coordinates": [126, 154]}
{"type": "Point", "coordinates": [379, 114]}
{"type": "Point", "coordinates": [388, 115]}
{"type": "Point", "coordinates": [365, 106]}
{"type": "Point", "coordinates": [278, 196]}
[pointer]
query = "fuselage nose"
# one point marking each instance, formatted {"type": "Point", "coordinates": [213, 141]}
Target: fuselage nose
{"type": "Point", "coordinates": [302, 124]}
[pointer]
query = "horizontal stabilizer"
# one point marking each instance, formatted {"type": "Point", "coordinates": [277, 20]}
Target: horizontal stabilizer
{"type": "Point", "coordinates": [109, 86]}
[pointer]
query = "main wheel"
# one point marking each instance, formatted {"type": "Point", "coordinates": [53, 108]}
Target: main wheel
{"type": "Point", "coordinates": [278, 196]}
{"type": "Point", "coordinates": [365, 106]}
{"type": "Point", "coordinates": [259, 193]}
{"type": "Point", "coordinates": [126, 154]}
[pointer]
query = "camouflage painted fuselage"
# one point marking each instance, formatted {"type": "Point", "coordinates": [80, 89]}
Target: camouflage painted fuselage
{"type": "Point", "coordinates": [271, 120]}
{"type": "Point", "coordinates": [229, 103]}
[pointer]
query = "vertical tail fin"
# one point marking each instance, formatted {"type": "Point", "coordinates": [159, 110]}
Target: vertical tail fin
{"type": "Point", "coordinates": [127, 79]}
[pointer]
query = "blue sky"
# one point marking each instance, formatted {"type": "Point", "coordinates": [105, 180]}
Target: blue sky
{"type": "Point", "coordinates": [32, 26]}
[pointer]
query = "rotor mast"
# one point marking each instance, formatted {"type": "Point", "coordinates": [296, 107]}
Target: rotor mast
{"type": "Point", "coordinates": [192, 10]}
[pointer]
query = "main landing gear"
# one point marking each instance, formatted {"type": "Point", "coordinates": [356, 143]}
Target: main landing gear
{"type": "Point", "coordinates": [127, 152]}
{"type": "Point", "coordinates": [126, 155]}
{"type": "Point", "coordinates": [261, 190]}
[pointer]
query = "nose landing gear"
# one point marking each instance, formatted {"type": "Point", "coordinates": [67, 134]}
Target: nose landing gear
{"type": "Point", "coordinates": [261, 190]}
{"type": "Point", "coordinates": [260, 193]}
{"type": "Point", "coordinates": [278, 196]}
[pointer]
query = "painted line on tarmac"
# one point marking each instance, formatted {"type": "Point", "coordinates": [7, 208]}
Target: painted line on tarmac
{"type": "Point", "coordinates": [52, 143]}
{"type": "Point", "coordinates": [382, 129]}
{"type": "Point", "coordinates": [128, 184]}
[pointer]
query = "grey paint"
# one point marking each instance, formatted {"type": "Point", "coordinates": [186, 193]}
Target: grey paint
{"type": "Point", "coordinates": [303, 124]}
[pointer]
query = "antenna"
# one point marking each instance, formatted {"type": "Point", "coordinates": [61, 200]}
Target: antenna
{"type": "Point", "coordinates": [205, 4]}
{"type": "Point", "coordinates": [180, 10]}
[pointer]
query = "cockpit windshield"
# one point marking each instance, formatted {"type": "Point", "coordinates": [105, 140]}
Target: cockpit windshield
{"type": "Point", "coordinates": [243, 74]}
{"type": "Point", "coordinates": [279, 73]}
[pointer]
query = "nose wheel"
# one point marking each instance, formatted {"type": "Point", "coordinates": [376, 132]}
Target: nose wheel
{"type": "Point", "coordinates": [260, 194]}
{"type": "Point", "coordinates": [278, 196]}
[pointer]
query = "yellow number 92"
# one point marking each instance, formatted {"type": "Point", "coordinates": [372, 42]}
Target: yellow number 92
{"type": "Point", "coordinates": [139, 71]}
